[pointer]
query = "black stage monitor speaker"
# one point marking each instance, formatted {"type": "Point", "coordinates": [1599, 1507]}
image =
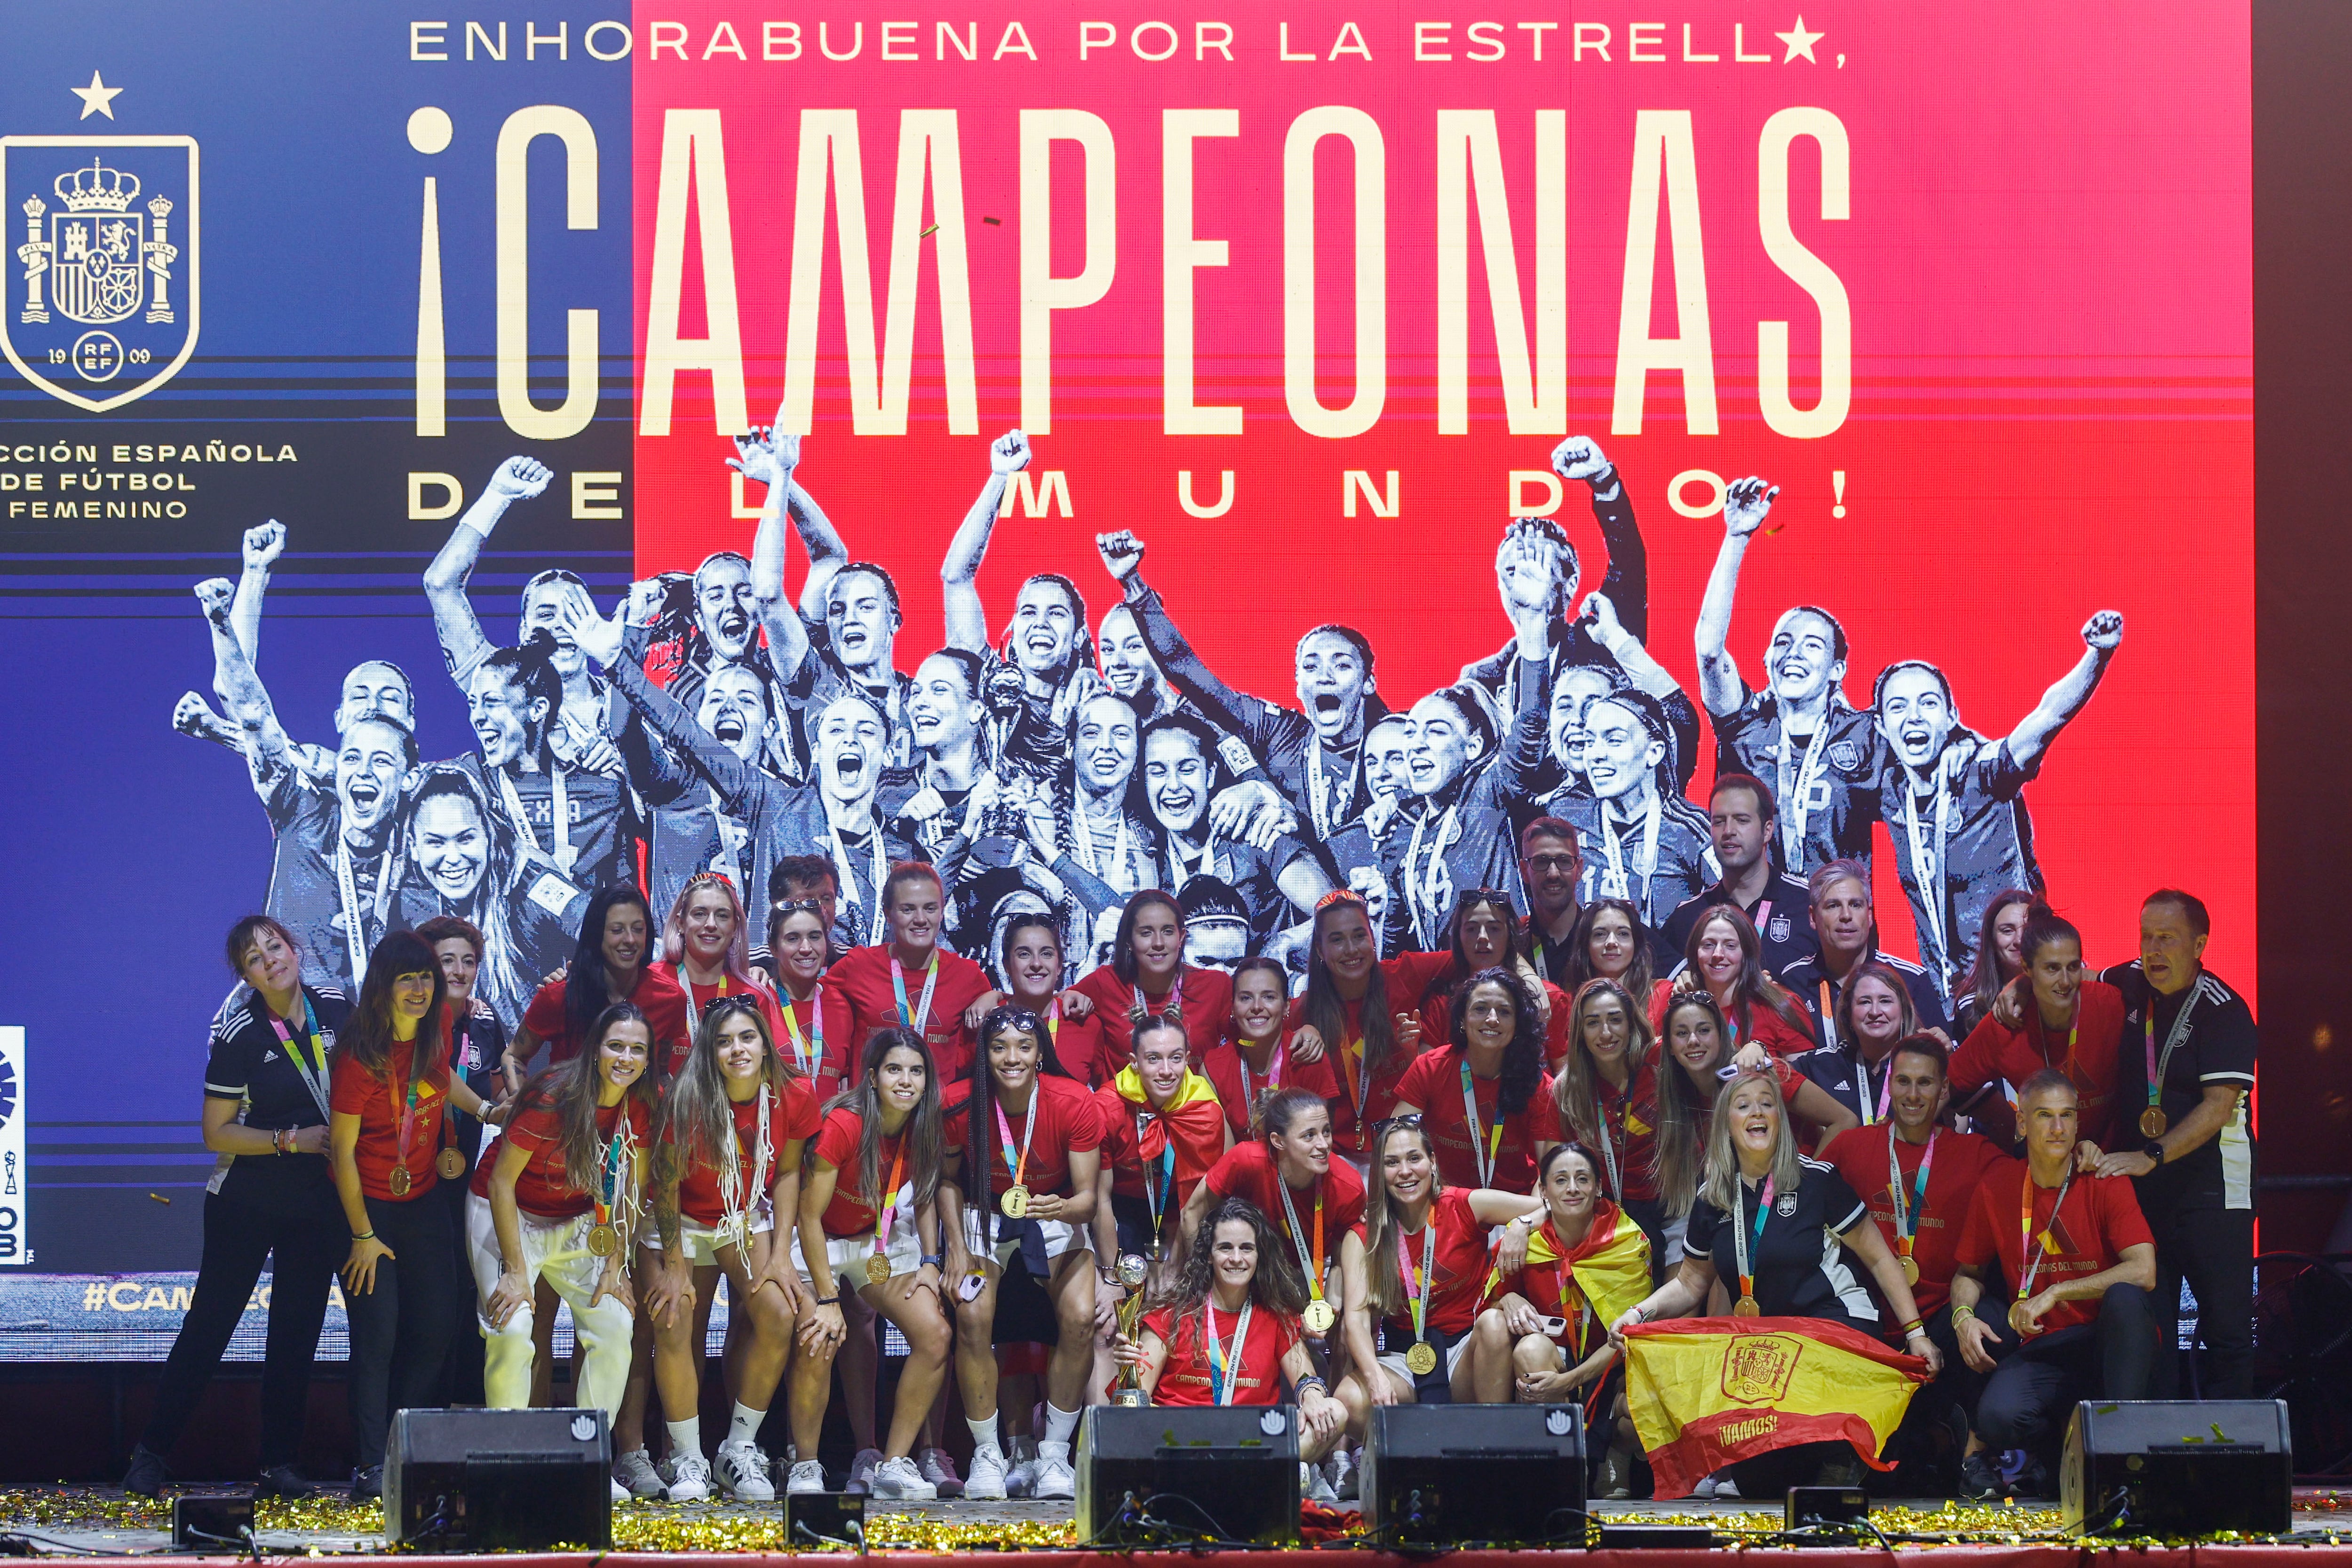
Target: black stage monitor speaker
{"type": "Point", "coordinates": [1151, 1475]}
{"type": "Point", "coordinates": [1447, 1475]}
{"type": "Point", "coordinates": [205, 1524]}
{"type": "Point", "coordinates": [820, 1518]}
{"type": "Point", "coordinates": [2179, 1467]}
{"type": "Point", "coordinates": [1838, 1506]}
{"type": "Point", "coordinates": [476, 1480]}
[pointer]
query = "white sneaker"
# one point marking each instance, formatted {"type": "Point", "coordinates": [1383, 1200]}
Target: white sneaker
{"type": "Point", "coordinates": [1021, 1480]}
{"type": "Point", "coordinates": [636, 1471]}
{"type": "Point", "coordinates": [1055, 1477]}
{"type": "Point", "coordinates": [742, 1470]}
{"type": "Point", "coordinates": [1705, 1487]}
{"type": "Point", "coordinates": [1312, 1487]}
{"type": "Point", "coordinates": [861, 1472]}
{"type": "Point", "coordinates": [899, 1478]}
{"type": "Point", "coordinates": [939, 1469]}
{"type": "Point", "coordinates": [987, 1480]}
{"type": "Point", "coordinates": [620, 1492]}
{"type": "Point", "coordinates": [689, 1477]}
{"type": "Point", "coordinates": [1725, 1486]}
{"type": "Point", "coordinates": [1343, 1472]}
{"type": "Point", "coordinates": [807, 1475]}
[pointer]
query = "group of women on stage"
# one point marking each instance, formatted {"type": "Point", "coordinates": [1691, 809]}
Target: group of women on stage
{"type": "Point", "coordinates": [1428, 1175]}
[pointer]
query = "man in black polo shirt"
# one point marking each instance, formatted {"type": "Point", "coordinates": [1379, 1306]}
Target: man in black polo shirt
{"type": "Point", "coordinates": [1848, 933]}
{"type": "Point", "coordinates": [1744, 822]}
{"type": "Point", "coordinates": [2193, 1165]}
{"type": "Point", "coordinates": [1550, 865]}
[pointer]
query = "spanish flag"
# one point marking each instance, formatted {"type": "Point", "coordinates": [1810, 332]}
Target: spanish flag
{"type": "Point", "coordinates": [1192, 1119]}
{"type": "Point", "coordinates": [1705, 1393]}
{"type": "Point", "coordinates": [1611, 1265]}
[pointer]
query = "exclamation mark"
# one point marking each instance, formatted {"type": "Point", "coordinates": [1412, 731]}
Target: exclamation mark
{"type": "Point", "coordinates": [1837, 485]}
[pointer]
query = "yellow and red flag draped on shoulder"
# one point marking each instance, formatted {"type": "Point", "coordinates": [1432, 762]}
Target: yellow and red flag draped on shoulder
{"type": "Point", "coordinates": [1705, 1393]}
{"type": "Point", "coordinates": [1611, 1266]}
{"type": "Point", "coordinates": [1192, 1119]}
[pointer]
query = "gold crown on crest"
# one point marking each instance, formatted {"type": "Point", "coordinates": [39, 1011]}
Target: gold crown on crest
{"type": "Point", "coordinates": [97, 189]}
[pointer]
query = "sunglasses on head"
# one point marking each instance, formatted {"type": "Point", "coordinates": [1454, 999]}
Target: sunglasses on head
{"type": "Point", "coordinates": [798, 906]}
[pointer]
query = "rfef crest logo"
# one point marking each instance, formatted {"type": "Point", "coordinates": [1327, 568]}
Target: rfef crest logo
{"type": "Point", "coordinates": [101, 307]}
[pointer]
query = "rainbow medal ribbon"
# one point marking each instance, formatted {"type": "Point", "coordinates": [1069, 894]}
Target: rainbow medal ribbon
{"type": "Point", "coordinates": [2029, 1255]}
{"type": "Point", "coordinates": [1422, 1359]}
{"type": "Point", "coordinates": [1319, 1316]}
{"type": "Point", "coordinates": [1908, 1212]}
{"type": "Point", "coordinates": [1747, 1305]}
{"type": "Point", "coordinates": [1016, 1201]}
{"type": "Point", "coordinates": [603, 1239]}
{"type": "Point", "coordinates": [1487, 1144]}
{"type": "Point", "coordinates": [1225, 1366]}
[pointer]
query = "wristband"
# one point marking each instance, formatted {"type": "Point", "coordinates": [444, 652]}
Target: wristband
{"type": "Point", "coordinates": [1312, 1380]}
{"type": "Point", "coordinates": [368, 1236]}
{"type": "Point", "coordinates": [828, 1301]}
{"type": "Point", "coordinates": [1961, 1314]}
{"type": "Point", "coordinates": [1913, 1326]}
{"type": "Point", "coordinates": [933, 1259]}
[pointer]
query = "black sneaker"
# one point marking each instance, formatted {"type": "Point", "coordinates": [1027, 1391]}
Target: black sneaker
{"type": "Point", "coordinates": [367, 1485]}
{"type": "Point", "coordinates": [283, 1480]}
{"type": "Point", "coordinates": [2036, 1482]}
{"type": "Point", "coordinates": [1980, 1478]}
{"type": "Point", "coordinates": [147, 1475]}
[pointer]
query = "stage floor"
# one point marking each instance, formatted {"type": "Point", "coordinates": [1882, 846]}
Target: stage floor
{"type": "Point", "coordinates": [103, 1521]}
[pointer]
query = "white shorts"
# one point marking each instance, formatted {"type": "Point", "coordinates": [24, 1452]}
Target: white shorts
{"type": "Point", "coordinates": [1395, 1361]}
{"type": "Point", "coordinates": [845, 1256]}
{"type": "Point", "coordinates": [1061, 1237]}
{"type": "Point", "coordinates": [700, 1243]}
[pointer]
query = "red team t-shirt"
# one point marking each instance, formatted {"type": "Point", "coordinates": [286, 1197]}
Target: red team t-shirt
{"type": "Point", "coordinates": [836, 1145]}
{"type": "Point", "coordinates": [1066, 1124]}
{"type": "Point", "coordinates": [544, 1188]}
{"type": "Point", "coordinates": [1437, 1022]}
{"type": "Point", "coordinates": [1751, 1020]}
{"type": "Point", "coordinates": [655, 994]}
{"type": "Point", "coordinates": [1434, 1082]}
{"type": "Point", "coordinates": [823, 1036]}
{"type": "Point", "coordinates": [1208, 1002]}
{"type": "Point", "coordinates": [1962, 1161]}
{"type": "Point", "coordinates": [1248, 1171]}
{"type": "Point", "coordinates": [1992, 1052]}
{"type": "Point", "coordinates": [791, 1117]}
{"type": "Point", "coordinates": [860, 998]}
{"type": "Point", "coordinates": [1404, 977]}
{"type": "Point", "coordinates": [1239, 1088]}
{"type": "Point", "coordinates": [1185, 1376]}
{"type": "Point", "coordinates": [700, 998]}
{"type": "Point", "coordinates": [1460, 1268]}
{"type": "Point", "coordinates": [379, 1102]}
{"type": "Point", "coordinates": [1629, 1128]}
{"type": "Point", "coordinates": [2088, 1234]}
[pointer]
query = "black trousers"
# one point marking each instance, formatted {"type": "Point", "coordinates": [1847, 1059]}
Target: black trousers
{"type": "Point", "coordinates": [2031, 1395]}
{"type": "Point", "coordinates": [401, 1330]}
{"type": "Point", "coordinates": [461, 1370]}
{"type": "Point", "coordinates": [1650, 1214]}
{"type": "Point", "coordinates": [2214, 1248]}
{"type": "Point", "coordinates": [238, 1239]}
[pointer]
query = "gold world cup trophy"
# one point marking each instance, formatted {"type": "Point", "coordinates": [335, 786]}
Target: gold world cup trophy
{"type": "Point", "coordinates": [1132, 1272]}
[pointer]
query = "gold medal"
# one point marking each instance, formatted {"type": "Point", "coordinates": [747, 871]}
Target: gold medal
{"type": "Point", "coordinates": [451, 1165]}
{"type": "Point", "coordinates": [1910, 1269]}
{"type": "Point", "coordinates": [1015, 1202]}
{"type": "Point", "coordinates": [2019, 1319]}
{"type": "Point", "coordinates": [2152, 1123]}
{"type": "Point", "coordinates": [878, 1269]}
{"type": "Point", "coordinates": [604, 1240]}
{"type": "Point", "coordinates": [398, 1181]}
{"type": "Point", "coordinates": [1319, 1317]}
{"type": "Point", "coordinates": [1422, 1359]}
{"type": "Point", "coordinates": [1745, 1307]}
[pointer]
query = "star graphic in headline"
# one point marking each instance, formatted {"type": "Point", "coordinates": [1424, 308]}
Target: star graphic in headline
{"type": "Point", "coordinates": [1799, 42]}
{"type": "Point", "coordinates": [98, 99]}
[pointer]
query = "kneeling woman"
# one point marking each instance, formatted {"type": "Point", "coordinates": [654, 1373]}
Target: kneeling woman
{"type": "Point", "coordinates": [1423, 1276]}
{"type": "Point", "coordinates": [1228, 1332]}
{"type": "Point", "coordinates": [870, 1214]}
{"type": "Point", "coordinates": [1029, 1141]}
{"type": "Point", "coordinates": [554, 1201]}
{"type": "Point", "coordinates": [1765, 1217]}
{"type": "Point", "coordinates": [732, 1128]}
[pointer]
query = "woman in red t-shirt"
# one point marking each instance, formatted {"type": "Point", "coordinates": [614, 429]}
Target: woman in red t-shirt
{"type": "Point", "coordinates": [1287, 1172]}
{"type": "Point", "coordinates": [706, 948]}
{"type": "Point", "coordinates": [1162, 1129]}
{"type": "Point", "coordinates": [732, 1129]}
{"type": "Point", "coordinates": [1693, 1057]}
{"type": "Point", "coordinates": [816, 1041]}
{"type": "Point", "coordinates": [1422, 1272]}
{"type": "Point", "coordinates": [1725, 959]}
{"type": "Point", "coordinates": [1023, 1140]}
{"type": "Point", "coordinates": [1030, 955]}
{"type": "Point", "coordinates": [556, 1201]}
{"type": "Point", "coordinates": [1255, 1057]}
{"type": "Point", "coordinates": [910, 980]}
{"type": "Point", "coordinates": [608, 966]}
{"type": "Point", "coordinates": [1611, 942]}
{"type": "Point", "coordinates": [1147, 974]}
{"type": "Point", "coordinates": [1227, 1332]}
{"type": "Point", "coordinates": [1607, 1099]}
{"type": "Point", "coordinates": [1359, 1008]}
{"type": "Point", "coordinates": [1486, 1098]}
{"type": "Point", "coordinates": [869, 1222]}
{"type": "Point", "coordinates": [1485, 935]}
{"type": "Point", "coordinates": [388, 1103]}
